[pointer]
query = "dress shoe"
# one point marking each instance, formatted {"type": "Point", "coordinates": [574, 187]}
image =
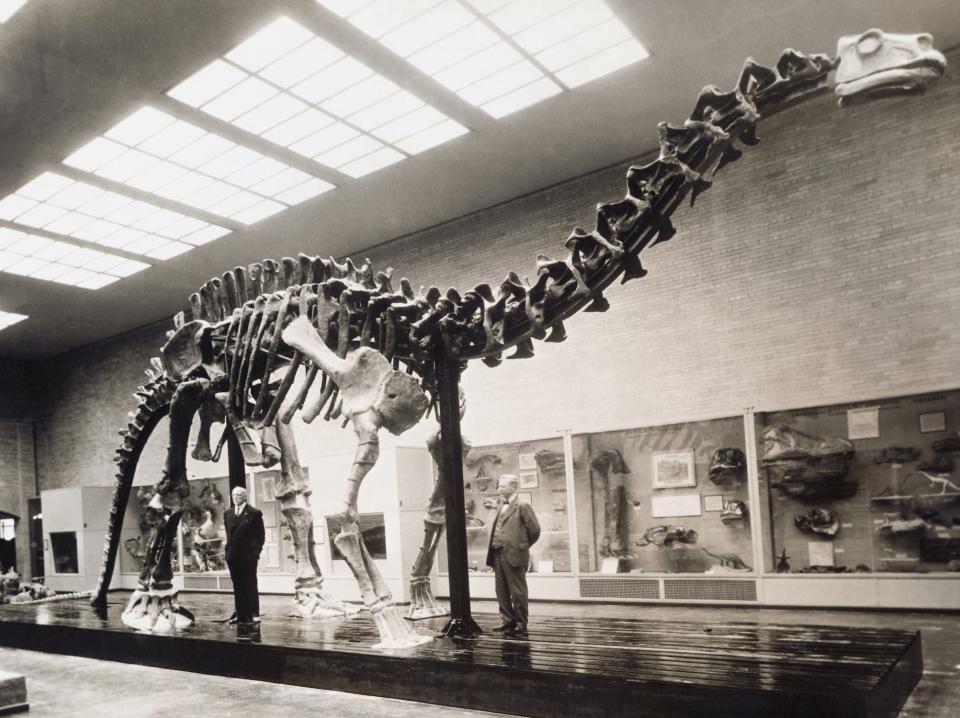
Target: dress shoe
{"type": "Point", "coordinates": [520, 632]}
{"type": "Point", "coordinates": [505, 628]}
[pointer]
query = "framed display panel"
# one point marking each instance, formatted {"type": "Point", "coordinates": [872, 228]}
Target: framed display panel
{"type": "Point", "coordinates": [540, 467]}
{"type": "Point", "coordinates": [640, 496]}
{"type": "Point", "coordinates": [374, 532]}
{"type": "Point", "coordinates": [63, 545]}
{"type": "Point", "coordinates": [886, 500]}
{"type": "Point", "coordinates": [278, 555]}
{"type": "Point", "coordinates": [203, 536]}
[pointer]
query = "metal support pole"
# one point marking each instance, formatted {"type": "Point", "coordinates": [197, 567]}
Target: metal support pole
{"type": "Point", "coordinates": [461, 623]}
{"type": "Point", "coordinates": [237, 470]}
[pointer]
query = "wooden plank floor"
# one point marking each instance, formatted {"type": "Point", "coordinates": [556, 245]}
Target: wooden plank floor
{"type": "Point", "coordinates": [600, 663]}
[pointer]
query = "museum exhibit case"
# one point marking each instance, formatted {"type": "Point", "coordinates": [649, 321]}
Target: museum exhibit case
{"type": "Point", "coordinates": [663, 499]}
{"type": "Point", "coordinates": [540, 467]}
{"type": "Point", "coordinates": [732, 509]}
{"type": "Point", "coordinates": [74, 526]}
{"type": "Point", "coordinates": [867, 490]}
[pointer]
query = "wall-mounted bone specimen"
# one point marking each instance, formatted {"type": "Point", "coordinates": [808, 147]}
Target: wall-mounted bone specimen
{"type": "Point", "coordinates": [820, 521]}
{"type": "Point", "coordinates": [727, 465]}
{"type": "Point", "coordinates": [806, 466]}
{"type": "Point", "coordinates": [667, 536]}
{"type": "Point", "coordinates": [897, 455]}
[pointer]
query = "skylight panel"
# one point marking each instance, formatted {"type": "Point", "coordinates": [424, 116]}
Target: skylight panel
{"type": "Point", "coordinates": [51, 260]}
{"type": "Point", "coordinates": [44, 186]}
{"type": "Point", "coordinates": [349, 151]}
{"type": "Point", "coordinates": [299, 91]}
{"type": "Point", "coordinates": [372, 162]}
{"type": "Point", "coordinates": [454, 47]}
{"type": "Point", "coordinates": [382, 16]}
{"type": "Point", "coordinates": [304, 191]}
{"type": "Point", "coordinates": [303, 62]}
{"type": "Point", "coordinates": [8, 319]}
{"type": "Point", "coordinates": [563, 26]}
{"type": "Point", "coordinates": [206, 84]}
{"type": "Point", "coordinates": [524, 97]}
{"type": "Point", "coordinates": [270, 43]}
{"type": "Point", "coordinates": [603, 63]}
{"type": "Point", "coordinates": [431, 137]}
{"type": "Point", "coordinates": [298, 127]}
{"type": "Point", "coordinates": [141, 125]}
{"type": "Point", "coordinates": [340, 76]}
{"type": "Point", "coordinates": [572, 41]}
{"type": "Point", "coordinates": [270, 113]}
{"type": "Point", "coordinates": [240, 98]}
{"type": "Point", "coordinates": [7, 9]}
{"type": "Point", "coordinates": [427, 28]}
{"type": "Point", "coordinates": [174, 159]}
{"type": "Point", "coordinates": [107, 218]}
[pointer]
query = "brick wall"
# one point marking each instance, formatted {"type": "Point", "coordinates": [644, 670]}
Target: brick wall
{"type": "Point", "coordinates": [17, 483]}
{"type": "Point", "coordinates": [18, 394]}
{"type": "Point", "coordinates": [821, 268]}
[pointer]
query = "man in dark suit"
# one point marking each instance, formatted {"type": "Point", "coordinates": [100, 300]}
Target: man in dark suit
{"type": "Point", "coordinates": [245, 536]}
{"type": "Point", "coordinates": [514, 531]}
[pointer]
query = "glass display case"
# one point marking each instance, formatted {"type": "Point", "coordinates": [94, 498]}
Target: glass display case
{"type": "Point", "coordinates": [278, 555]}
{"type": "Point", "coordinates": [865, 487]}
{"type": "Point", "coordinates": [540, 467]}
{"type": "Point", "coordinates": [63, 545]}
{"type": "Point", "coordinates": [666, 499]}
{"type": "Point", "coordinates": [373, 529]}
{"type": "Point", "coordinates": [202, 535]}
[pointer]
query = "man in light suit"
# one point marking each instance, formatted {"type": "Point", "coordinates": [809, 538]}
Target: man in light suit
{"type": "Point", "coordinates": [245, 537]}
{"type": "Point", "coordinates": [514, 531]}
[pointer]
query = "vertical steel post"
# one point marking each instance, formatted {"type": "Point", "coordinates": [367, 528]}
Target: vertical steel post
{"type": "Point", "coordinates": [237, 470]}
{"type": "Point", "coordinates": [461, 623]}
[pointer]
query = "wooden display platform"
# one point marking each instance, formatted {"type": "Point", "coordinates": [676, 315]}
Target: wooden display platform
{"type": "Point", "coordinates": [569, 666]}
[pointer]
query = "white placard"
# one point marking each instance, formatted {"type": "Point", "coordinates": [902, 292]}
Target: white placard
{"type": "Point", "coordinates": [863, 423]}
{"type": "Point", "coordinates": [713, 503]}
{"type": "Point", "coordinates": [544, 566]}
{"type": "Point", "coordinates": [934, 421]}
{"type": "Point", "coordinates": [527, 462]}
{"type": "Point", "coordinates": [820, 553]}
{"type": "Point", "coordinates": [610, 565]}
{"type": "Point", "coordinates": [682, 505]}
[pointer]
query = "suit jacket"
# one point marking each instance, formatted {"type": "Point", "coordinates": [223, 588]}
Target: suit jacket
{"type": "Point", "coordinates": [520, 531]}
{"type": "Point", "coordinates": [245, 533]}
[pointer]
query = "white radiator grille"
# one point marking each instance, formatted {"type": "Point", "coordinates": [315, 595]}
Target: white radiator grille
{"type": "Point", "coordinates": [706, 589]}
{"type": "Point", "coordinates": [648, 588]}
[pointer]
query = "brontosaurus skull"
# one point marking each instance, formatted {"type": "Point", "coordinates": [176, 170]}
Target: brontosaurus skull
{"type": "Point", "coordinates": [878, 63]}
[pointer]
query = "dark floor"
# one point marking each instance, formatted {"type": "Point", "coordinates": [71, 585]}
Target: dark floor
{"type": "Point", "coordinates": [69, 686]}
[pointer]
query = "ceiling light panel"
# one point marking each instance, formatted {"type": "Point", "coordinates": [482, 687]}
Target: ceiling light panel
{"type": "Point", "coordinates": [297, 90]}
{"type": "Point", "coordinates": [9, 7]}
{"type": "Point", "coordinates": [51, 260]}
{"type": "Point", "coordinates": [8, 319]}
{"type": "Point", "coordinates": [536, 48]}
{"type": "Point", "coordinates": [61, 205]}
{"type": "Point", "coordinates": [576, 40]}
{"type": "Point", "coordinates": [160, 154]}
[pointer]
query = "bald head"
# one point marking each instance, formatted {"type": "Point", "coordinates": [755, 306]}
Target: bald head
{"type": "Point", "coordinates": [507, 486]}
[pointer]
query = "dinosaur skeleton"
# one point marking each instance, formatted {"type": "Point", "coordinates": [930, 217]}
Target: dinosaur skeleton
{"type": "Point", "coordinates": [310, 335]}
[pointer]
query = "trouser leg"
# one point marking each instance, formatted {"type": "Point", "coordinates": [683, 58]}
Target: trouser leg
{"type": "Point", "coordinates": [254, 589]}
{"type": "Point", "coordinates": [516, 579]}
{"type": "Point", "coordinates": [501, 570]}
{"type": "Point", "coordinates": [235, 582]}
{"type": "Point", "coordinates": [241, 589]}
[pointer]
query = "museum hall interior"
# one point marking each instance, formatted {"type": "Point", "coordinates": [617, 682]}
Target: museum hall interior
{"type": "Point", "coordinates": [479, 357]}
